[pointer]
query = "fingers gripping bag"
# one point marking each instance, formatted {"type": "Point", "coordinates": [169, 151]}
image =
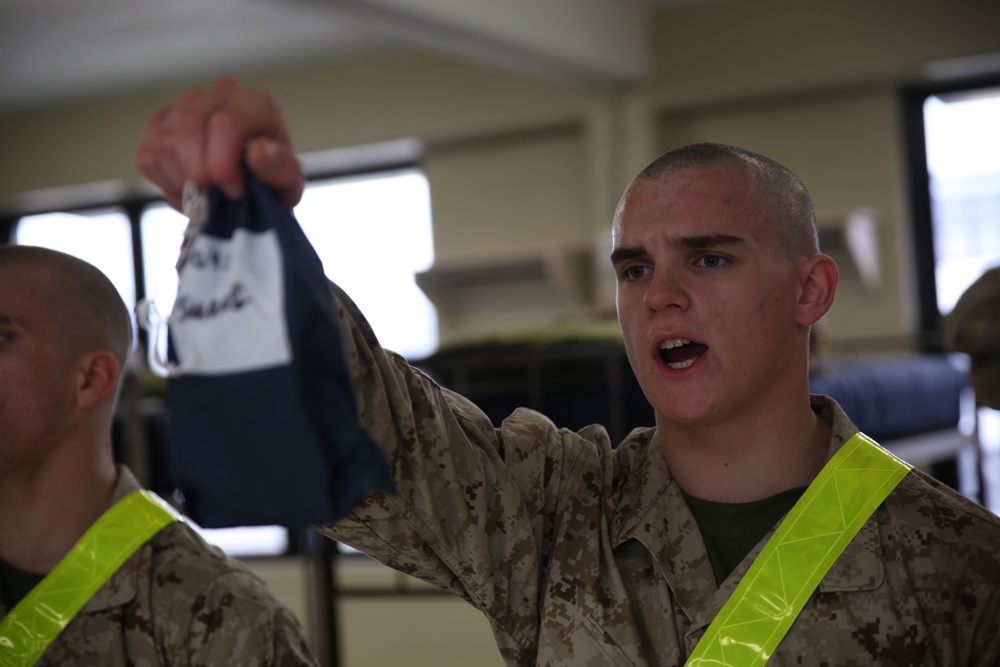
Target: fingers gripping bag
{"type": "Point", "coordinates": [260, 404]}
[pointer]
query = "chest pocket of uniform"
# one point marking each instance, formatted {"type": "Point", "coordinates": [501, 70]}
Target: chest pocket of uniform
{"type": "Point", "coordinates": [587, 643]}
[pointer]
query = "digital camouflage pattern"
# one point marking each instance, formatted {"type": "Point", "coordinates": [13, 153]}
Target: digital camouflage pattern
{"type": "Point", "coordinates": [583, 554]}
{"type": "Point", "coordinates": [179, 601]}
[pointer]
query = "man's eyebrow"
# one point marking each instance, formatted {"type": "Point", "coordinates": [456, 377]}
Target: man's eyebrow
{"type": "Point", "coordinates": [707, 241]}
{"type": "Point", "coordinates": [5, 320]}
{"type": "Point", "coordinates": [699, 242]}
{"type": "Point", "coordinates": [625, 254]}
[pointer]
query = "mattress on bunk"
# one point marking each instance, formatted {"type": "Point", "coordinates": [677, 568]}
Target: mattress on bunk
{"type": "Point", "coordinates": [892, 397]}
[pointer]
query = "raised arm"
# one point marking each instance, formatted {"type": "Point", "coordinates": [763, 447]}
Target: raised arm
{"type": "Point", "coordinates": [478, 507]}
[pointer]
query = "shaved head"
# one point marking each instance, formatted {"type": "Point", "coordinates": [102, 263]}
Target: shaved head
{"type": "Point", "coordinates": [777, 189]}
{"type": "Point", "coordinates": [83, 302]}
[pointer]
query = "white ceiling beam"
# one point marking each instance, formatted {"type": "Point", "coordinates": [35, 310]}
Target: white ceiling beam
{"type": "Point", "coordinates": [52, 51]}
{"type": "Point", "coordinates": [602, 42]}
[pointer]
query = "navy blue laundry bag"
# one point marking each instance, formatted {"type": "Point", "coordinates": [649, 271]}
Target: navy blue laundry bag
{"type": "Point", "coordinates": [260, 405]}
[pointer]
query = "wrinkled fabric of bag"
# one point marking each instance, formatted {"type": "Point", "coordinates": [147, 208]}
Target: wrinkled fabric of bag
{"type": "Point", "coordinates": [262, 417]}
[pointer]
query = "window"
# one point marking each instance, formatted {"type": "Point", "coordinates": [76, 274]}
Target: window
{"type": "Point", "coordinates": [953, 139]}
{"type": "Point", "coordinates": [963, 163]}
{"type": "Point", "coordinates": [953, 142]}
{"type": "Point", "coordinates": [372, 232]}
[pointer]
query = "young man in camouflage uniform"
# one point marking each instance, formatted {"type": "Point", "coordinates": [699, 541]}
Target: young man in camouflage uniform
{"type": "Point", "coordinates": [581, 552]}
{"type": "Point", "coordinates": [64, 338]}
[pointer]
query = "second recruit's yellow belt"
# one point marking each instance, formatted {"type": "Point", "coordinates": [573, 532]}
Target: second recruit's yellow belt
{"type": "Point", "coordinates": [48, 607]}
{"type": "Point", "coordinates": [825, 519]}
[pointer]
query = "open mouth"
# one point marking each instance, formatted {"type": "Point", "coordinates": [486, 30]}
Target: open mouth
{"type": "Point", "coordinates": [680, 353]}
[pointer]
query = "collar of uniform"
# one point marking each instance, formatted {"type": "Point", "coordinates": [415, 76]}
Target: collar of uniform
{"type": "Point", "coordinates": [651, 510]}
{"type": "Point", "coordinates": [642, 474]}
{"type": "Point", "coordinates": [121, 588]}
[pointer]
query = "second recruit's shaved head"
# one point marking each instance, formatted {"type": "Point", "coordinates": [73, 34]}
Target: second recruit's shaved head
{"type": "Point", "coordinates": [83, 301]}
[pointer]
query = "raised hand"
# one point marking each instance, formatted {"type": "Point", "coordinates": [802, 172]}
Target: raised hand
{"type": "Point", "coordinates": [203, 135]}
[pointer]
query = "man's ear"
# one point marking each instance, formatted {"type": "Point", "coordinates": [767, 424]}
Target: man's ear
{"type": "Point", "coordinates": [818, 285]}
{"type": "Point", "coordinates": [99, 372]}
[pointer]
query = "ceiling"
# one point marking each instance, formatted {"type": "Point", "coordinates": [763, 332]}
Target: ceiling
{"type": "Point", "coordinates": [59, 51]}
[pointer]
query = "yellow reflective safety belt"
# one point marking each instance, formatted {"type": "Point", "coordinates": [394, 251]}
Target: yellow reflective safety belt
{"type": "Point", "coordinates": [48, 607]}
{"type": "Point", "coordinates": [826, 518]}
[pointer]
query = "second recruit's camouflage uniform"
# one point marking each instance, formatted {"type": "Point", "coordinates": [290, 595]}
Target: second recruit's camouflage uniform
{"type": "Point", "coordinates": [178, 601]}
{"type": "Point", "coordinates": [585, 555]}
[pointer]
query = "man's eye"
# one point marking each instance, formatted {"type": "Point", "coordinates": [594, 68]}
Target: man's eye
{"type": "Point", "coordinates": [712, 261]}
{"type": "Point", "coordinates": [633, 272]}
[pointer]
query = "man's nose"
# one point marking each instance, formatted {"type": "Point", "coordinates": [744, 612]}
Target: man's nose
{"type": "Point", "coordinates": [666, 289]}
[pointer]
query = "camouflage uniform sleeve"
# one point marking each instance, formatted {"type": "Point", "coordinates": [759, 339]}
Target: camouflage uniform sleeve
{"type": "Point", "coordinates": [234, 619]}
{"type": "Point", "coordinates": [471, 510]}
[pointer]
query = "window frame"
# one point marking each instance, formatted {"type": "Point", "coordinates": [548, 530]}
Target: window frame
{"type": "Point", "coordinates": [918, 179]}
{"type": "Point", "coordinates": [134, 207]}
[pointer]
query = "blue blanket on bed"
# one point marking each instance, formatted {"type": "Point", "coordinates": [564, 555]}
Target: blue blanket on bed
{"type": "Point", "coordinates": [891, 397]}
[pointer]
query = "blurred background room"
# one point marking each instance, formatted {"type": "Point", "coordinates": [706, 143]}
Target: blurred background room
{"type": "Point", "coordinates": [464, 160]}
